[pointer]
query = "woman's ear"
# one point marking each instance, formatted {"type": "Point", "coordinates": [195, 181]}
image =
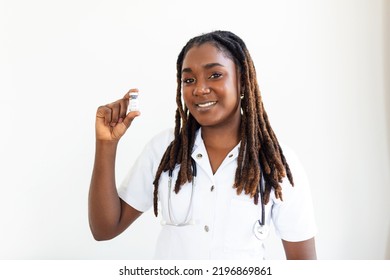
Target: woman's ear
{"type": "Point", "coordinates": [241, 90]}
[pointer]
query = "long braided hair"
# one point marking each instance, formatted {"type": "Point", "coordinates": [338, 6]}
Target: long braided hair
{"type": "Point", "coordinates": [260, 153]}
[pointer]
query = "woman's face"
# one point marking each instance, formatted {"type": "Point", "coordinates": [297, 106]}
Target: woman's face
{"type": "Point", "coordinates": [211, 86]}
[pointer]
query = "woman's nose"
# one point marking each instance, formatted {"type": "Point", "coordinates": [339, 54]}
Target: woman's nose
{"type": "Point", "coordinates": [201, 90]}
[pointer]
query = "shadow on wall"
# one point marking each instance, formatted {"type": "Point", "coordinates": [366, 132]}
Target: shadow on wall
{"type": "Point", "coordinates": [386, 37]}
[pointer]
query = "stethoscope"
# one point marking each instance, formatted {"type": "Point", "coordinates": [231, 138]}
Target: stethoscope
{"type": "Point", "coordinates": [260, 229]}
{"type": "Point", "coordinates": [187, 220]}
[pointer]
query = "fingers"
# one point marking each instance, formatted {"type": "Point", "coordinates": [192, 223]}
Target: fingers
{"type": "Point", "coordinates": [116, 112]}
{"type": "Point", "coordinates": [104, 113]}
{"type": "Point", "coordinates": [127, 95]}
{"type": "Point", "coordinates": [130, 117]}
{"type": "Point", "coordinates": [109, 113]}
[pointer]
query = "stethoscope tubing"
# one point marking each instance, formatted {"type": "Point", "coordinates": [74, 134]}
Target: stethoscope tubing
{"type": "Point", "coordinates": [193, 184]}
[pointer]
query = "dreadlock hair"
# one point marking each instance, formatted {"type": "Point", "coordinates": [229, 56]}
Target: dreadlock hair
{"type": "Point", "coordinates": [260, 153]}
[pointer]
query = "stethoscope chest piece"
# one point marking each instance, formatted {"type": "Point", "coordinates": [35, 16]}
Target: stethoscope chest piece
{"type": "Point", "coordinates": [261, 231]}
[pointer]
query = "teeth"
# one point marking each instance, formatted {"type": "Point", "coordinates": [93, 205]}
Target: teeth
{"type": "Point", "coordinates": [207, 104]}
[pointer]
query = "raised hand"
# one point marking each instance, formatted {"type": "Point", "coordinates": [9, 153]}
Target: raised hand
{"type": "Point", "coordinates": [112, 120]}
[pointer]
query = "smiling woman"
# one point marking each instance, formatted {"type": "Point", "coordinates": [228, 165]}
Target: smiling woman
{"type": "Point", "coordinates": [223, 156]}
{"type": "Point", "coordinates": [211, 88]}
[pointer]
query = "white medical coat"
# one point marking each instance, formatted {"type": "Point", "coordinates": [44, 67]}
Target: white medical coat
{"type": "Point", "coordinates": [222, 220]}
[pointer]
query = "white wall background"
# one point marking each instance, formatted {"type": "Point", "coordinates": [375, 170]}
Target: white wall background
{"type": "Point", "coordinates": [323, 68]}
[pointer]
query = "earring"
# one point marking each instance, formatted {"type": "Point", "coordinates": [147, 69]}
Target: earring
{"type": "Point", "coordinates": [242, 96]}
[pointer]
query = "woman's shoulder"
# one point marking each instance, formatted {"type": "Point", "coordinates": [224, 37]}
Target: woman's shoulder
{"type": "Point", "coordinates": [160, 141]}
{"type": "Point", "coordinates": [163, 137]}
{"type": "Point", "coordinates": [297, 169]}
{"type": "Point", "coordinates": [289, 153]}
{"type": "Point", "coordinates": [292, 157]}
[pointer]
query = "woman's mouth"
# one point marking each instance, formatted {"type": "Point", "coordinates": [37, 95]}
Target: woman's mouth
{"type": "Point", "coordinates": [206, 105]}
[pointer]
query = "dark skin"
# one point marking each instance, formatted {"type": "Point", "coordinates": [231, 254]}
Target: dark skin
{"type": "Point", "coordinates": [211, 92]}
{"type": "Point", "coordinates": [108, 214]}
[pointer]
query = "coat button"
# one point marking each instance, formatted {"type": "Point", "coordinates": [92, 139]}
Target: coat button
{"type": "Point", "coordinates": [212, 188]}
{"type": "Point", "coordinates": [206, 228]}
{"type": "Point", "coordinates": [199, 156]}
{"type": "Point", "coordinates": [230, 155]}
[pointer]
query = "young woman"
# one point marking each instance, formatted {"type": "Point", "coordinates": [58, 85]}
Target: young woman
{"type": "Point", "coordinates": [216, 180]}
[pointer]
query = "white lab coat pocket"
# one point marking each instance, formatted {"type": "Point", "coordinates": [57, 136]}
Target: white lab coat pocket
{"type": "Point", "coordinates": [240, 241]}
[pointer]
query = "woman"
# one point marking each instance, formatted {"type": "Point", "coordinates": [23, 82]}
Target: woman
{"type": "Point", "coordinates": [218, 177]}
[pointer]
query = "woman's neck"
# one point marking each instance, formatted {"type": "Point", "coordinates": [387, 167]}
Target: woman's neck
{"type": "Point", "coordinates": [222, 137]}
{"type": "Point", "coordinates": [219, 141]}
{"type": "Point", "coordinates": [218, 138]}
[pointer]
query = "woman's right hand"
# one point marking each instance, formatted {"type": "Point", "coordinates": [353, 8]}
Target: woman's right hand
{"type": "Point", "coordinates": [112, 120]}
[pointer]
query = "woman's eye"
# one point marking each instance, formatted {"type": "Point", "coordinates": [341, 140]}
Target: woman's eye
{"type": "Point", "coordinates": [188, 80]}
{"type": "Point", "coordinates": [215, 75]}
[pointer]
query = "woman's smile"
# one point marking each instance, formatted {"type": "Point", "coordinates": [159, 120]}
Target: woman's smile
{"type": "Point", "coordinates": [206, 105]}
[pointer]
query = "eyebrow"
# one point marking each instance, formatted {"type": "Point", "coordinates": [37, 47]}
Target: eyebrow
{"type": "Point", "coordinates": [206, 66]}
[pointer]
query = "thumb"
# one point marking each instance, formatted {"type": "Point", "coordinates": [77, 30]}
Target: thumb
{"type": "Point", "coordinates": [130, 117]}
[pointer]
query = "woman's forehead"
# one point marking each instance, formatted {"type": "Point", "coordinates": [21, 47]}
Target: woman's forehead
{"type": "Point", "coordinates": [205, 53]}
